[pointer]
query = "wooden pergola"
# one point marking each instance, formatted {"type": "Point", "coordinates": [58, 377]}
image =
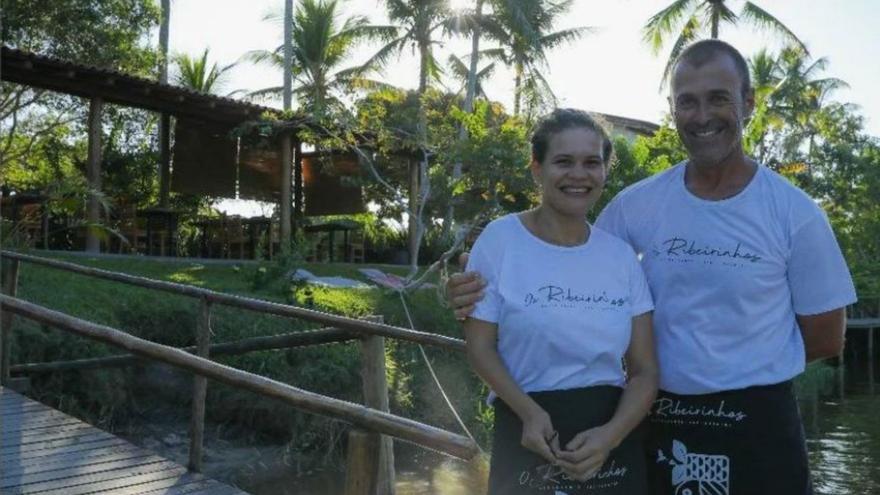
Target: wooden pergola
{"type": "Point", "coordinates": [102, 86]}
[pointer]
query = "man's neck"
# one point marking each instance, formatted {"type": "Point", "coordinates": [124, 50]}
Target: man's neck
{"type": "Point", "coordinates": [718, 181]}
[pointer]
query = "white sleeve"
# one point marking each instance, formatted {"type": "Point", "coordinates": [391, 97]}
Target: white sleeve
{"type": "Point", "coordinates": [818, 277]}
{"type": "Point", "coordinates": [485, 259]}
{"type": "Point", "coordinates": [641, 300]}
{"type": "Point", "coordinates": [612, 220]}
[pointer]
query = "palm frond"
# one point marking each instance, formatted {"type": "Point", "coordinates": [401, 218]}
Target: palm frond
{"type": "Point", "coordinates": [558, 38]}
{"type": "Point", "coordinates": [665, 22]}
{"type": "Point", "coordinates": [764, 20]}
{"type": "Point", "coordinates": [688, 33]}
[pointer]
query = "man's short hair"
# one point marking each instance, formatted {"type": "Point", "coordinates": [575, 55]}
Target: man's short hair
{"type": "Point", "coordinates": [703, 51]}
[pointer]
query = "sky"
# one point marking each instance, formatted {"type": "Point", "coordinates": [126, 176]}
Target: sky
{"type": "Point", "coordinates": [611, 71]}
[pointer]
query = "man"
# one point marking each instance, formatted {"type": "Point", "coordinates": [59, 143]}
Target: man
{"type": "Point", "coordinates": [749, 285]}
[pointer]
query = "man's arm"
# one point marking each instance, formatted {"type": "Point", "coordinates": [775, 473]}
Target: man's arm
{"type": "Point", "coordinates": [464, 290]}
{"type": "Point", "coordinates": [823, 333]}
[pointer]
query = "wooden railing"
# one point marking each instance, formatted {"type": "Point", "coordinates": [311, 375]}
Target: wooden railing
{"type": "Point", "coordinates": [370, 455]}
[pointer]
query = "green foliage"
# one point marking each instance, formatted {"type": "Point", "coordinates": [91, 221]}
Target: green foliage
{"type": "Point", "coordinates": [195, 73]}
{"type": "Point", "coordinates": [660, 151]}
{"type": "Point", "coordinates": [495, 156]}
{"type": "Point", "coordinates": [106, 33]}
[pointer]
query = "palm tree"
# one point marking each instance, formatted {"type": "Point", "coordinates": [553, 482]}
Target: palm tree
{"type": "Point", "coordinates": [523, 30]}
{"type": "Point", "coordinates": [320, 45]}
{"type": "Point", "coordinates": [415, 25]}
{"type": "Point", "coordinates": [690, 19]}
{"type": "Point", "coordinates": [801, 95]}
{"type": "Point", "coordinates": [416, 22]}
{"type": "Point", "coordinates": [194, 73]}
{"type": "Point", "coordinates": [466, 77]}
{"type": "Point", "coordinates": [790, 98]}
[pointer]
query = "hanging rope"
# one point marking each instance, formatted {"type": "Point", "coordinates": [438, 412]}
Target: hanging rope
{"type": "Point", "coordinates": [434, 376]}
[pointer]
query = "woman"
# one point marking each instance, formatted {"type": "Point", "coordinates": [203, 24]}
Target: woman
{"type": "Point", "coordinates": [565, 303]}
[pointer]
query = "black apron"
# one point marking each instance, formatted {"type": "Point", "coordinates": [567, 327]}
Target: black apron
{"type": "Point", "coordinates": [516, 470]}
{"type": "Point", "coordinates": [739, 442]}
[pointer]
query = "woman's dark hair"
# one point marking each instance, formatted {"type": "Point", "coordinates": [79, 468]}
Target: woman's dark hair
{"type": "Point", "coordinates": [563, 119]}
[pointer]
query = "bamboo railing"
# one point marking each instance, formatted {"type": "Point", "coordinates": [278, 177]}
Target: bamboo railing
{"type": "Point", "coordinates": [370, 461]}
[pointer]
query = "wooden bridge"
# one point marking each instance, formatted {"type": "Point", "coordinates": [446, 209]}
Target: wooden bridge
{"type": "Point", "coordinates": [370, 465]}
{"type": "Point", "coordinates": [48, 452]}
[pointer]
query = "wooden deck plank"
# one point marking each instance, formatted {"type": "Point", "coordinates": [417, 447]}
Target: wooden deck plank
{"type": "Point", "coordinates": [46, 452]}
{"type": "Point", "coordinates": [49, 454]}
{"type": "Point", "coordinates": [28, 437]}
{"type": "Point", "coordinates": [25, 426]}
{"type": "Point", "coordinates": [35, 449]}
{"type": "Point", "coordinates": [93, 482]}
{"type": "Point", "coordinates": [76, 459]}
{"type": "Point", "coordinates": [180, 485]}
{"type": "Point", "coordinates": [67, 472]}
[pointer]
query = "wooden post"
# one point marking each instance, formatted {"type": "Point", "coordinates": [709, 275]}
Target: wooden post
{"type": "Point", "coordinates": [93, 174]}
{"type": "Point", "coordinates": [375, 389]}
{"type": "Point", "coordinates": [362, 463]}
{"type": "Point", "coordinates": [286, 199]}
{"type": "Point", "coordinates": [164, 159]}
{"type": "Point", "coordinates": [200, 388]}
{"type": "Point", "coordinates": [10, 288]}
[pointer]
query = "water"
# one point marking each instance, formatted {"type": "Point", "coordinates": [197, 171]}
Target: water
{"type": "Point", "coordinates": [843, 429]}
{"type": "Point", "coordinates": [840, 409]}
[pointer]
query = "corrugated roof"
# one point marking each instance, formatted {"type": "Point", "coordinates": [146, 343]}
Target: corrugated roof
{"type": "Point", "coordinates": [634, 125]}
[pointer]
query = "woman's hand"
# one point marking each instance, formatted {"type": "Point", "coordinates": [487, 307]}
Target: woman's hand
{"type": "Point", "coordinates": [539, 436]}
{"type": "Point", "coordinates": [585, 454]}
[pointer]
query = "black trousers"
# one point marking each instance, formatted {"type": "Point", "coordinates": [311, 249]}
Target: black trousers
{"type": "Point", "coordinates": [516, 470]}
{"type": "Point", "coordinates": [739, 442]}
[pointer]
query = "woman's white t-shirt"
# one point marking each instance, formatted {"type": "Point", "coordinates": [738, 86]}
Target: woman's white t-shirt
{"type": "Point", "coordinates": [564, 314]}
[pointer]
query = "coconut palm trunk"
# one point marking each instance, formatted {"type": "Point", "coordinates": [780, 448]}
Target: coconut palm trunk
{"type": "Point", "coordinates": [288, 54]}
{"type": "Point", "coordinates": [517, 88]}
{"type": "Point", "coordinates": [164, 119]}
{"type": "Point", "coordinates": [469, 96]}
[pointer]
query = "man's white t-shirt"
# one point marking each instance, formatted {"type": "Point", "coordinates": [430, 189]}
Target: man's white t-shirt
{"type": "Point", "coordinates": [729, 276]}
{"type": "Point", "coordinates": [564, 314]}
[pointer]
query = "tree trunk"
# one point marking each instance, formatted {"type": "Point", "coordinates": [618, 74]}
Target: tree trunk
{"type": "Point", "coordinates": [93, 175]}
{"type": "Point", "coordinates": [163, 41]}
{"type": "Point", "coordinates": [419, 169]}
{"type": "Point", "coordinates": [165, 120]}
{"type": "Point", "coordinates": [413, 224]}
{"type": "Point", "coordinates": [716, 19]}
{"type": "Point", "coordinates": [288, 53]}
{"type": "Point", "coordinates": [468, 107]}
{"type": "Point", "coordinates": [517, 88]}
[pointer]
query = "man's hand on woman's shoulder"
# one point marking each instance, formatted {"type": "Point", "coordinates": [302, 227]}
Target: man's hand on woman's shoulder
{"type": "Point", "coordinates": [464, 290]}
